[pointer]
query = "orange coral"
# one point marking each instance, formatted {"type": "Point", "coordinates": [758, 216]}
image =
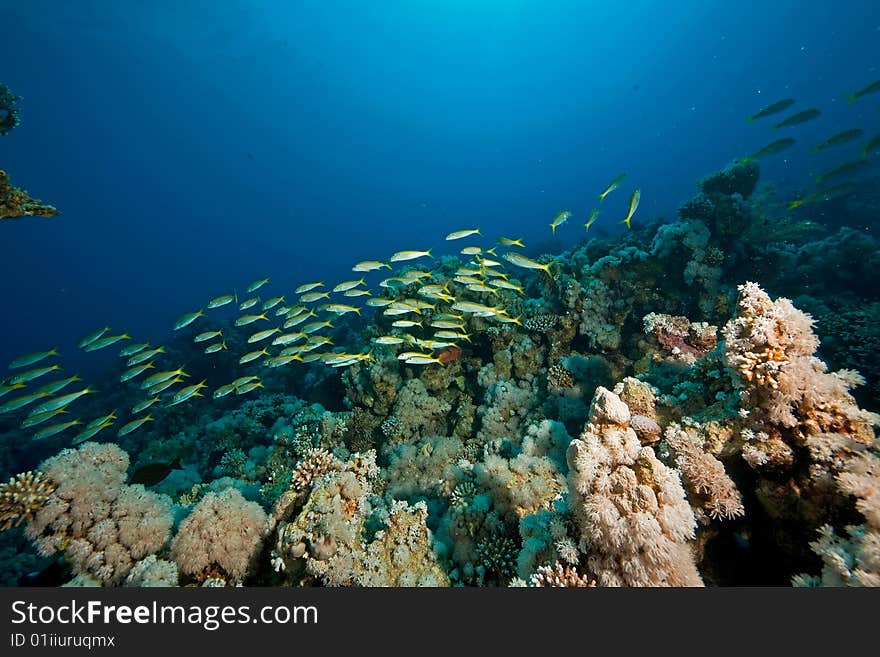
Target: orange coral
{"type": "Point", "coordinates": [449, 355]}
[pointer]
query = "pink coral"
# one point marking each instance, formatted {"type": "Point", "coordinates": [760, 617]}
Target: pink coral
{"type": "Point", "coordinates": [224, 531]}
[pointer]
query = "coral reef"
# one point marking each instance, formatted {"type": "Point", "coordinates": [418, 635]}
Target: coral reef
{"type": "Point", "coordinates": [15, 202]}
{"type": "Point", "coordinates": [9, 113]}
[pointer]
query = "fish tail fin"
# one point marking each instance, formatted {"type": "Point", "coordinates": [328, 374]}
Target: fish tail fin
{"type": "Point", "coordinates": [851, 98]}
{"type": "Point", "coordinates": [553, 228]}
{"type": "Point", "coordinates": [815, 149]}
{"type": "Point", "coordinates": [749, 119]}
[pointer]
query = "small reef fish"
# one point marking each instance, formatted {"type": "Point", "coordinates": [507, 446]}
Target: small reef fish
{"type": "Point", "coordinates": [504, 318]}
{"type": "Point", "coordinates": [244, 320]}
{"type": "Point", "coordinates": [21, 402]}
{"type": "Point", "coordinates": [55, 429]}
{"type": "Point", "coordinates": [288, 338]}
{"type": "Point", "coordinates": [33, 420]}
{"type": "Point", "coordinates": [163, 386]}
{"type": "Point", "coordinates": [842, 170]}
{"type": "Point", "coordinates": [223, 390]}
{"type": "Point", "coordinates": [411, 354]}
{"type": "Point", "coordinates": [187, 393]}
{"type": "Point", "coordinates": [144, 405]}
{"type": "Point", "coordinates": [840, 138]}
{"type": "Point", "coordinates": [773, 108]}
{"type": "Point", "coordinates": [506, 285]}
{"type": "Point", "coordinates": [153, 473]}
{"type": "Point", "coordinates": [256, 285]}
{"type": "Point", "coordinates": [452, 335]}
{"type": "Point", "coordinates": [249, 303]}
{"type": "Point", "coordinates": [471, 250]}
{"type": "Point", "coordinates": [30, 359]}
{"type": "Point", "coordinates": [633, 204]}
{"type": "Point", "coordinates": [4, 389]}
{"type": "Point", "coordinates": [826, 194]}
{"type": "Point", "coordinates": [874, 87]}
{"type": "Point", "coordinates": [485, 262]}
{"type": "Point", "coordinates": [53, 387]}
{"type": "Point", "coordinates": [526, 263]}
{"type": "Point", "coordinates": [308, 287]}
{"type": "Point", "coordinates": [771, 149]}
{"type": "Point", "coordinates": [405, 323]}
{"type": "Point", "coordinates": [402, 256]}
{"type": "Point", "coordinates": [207, 335]}
{"type": "Point", "coordinates": [594, 214]}
{"type": "Point", "coordinates": [423, 359]}
{"type": "Point", "coordinates": [447, 324]}
{"type": "Point", "coordinates": [461, 234]}
{"type": "Point", "coordinates": [281, 360]}
{"type": "Point", "coordinates": [314, 296]}
{"type": "Point", "coordinates": [472, 307]}
{"type": "Point", "coordinates": [614, 184]}
{"type": "Point", "coordinates": [316, 326]}
{"type": "Point", "coordinates": [297, 320]}
{"type": "Point", "coordinates": [132, 349]}
{"type": "Point", "coordinates": [248, 387]}
{"type": "Point", "coordinates": [252, 355]}
{"type": "Point", "coordinates": [145, 355]}
{"type": "Point", "coordinates": [161, 377]}
{"type": "Point", "coordinates": [379, 302]}
{"type": "Point", "coordinates": [559, 219]}
{"type": "Point", "coordinates": [214, 348]}
{"type": "Point", "coordinates": [341, 309]}
{"type": "Point", "coordinates": [30, 375]}
{"type": "Point", "coordinates": [217, 302]}
{"type": "Point", "coordinates": [100, 343]}
{"type": "Point", "coordinates": [134, 371]}
{"type": "Point", "coordinates": [357, 293]}
{"type": "Point", "coordinates": [389, 340]}
{"type": "Point", "coordinates": [262, 335]}
{"type": "Point", "coordinates": [415, 274]}
{"type": "Point", "coordinates": [91, 337]}
{"type": "Point", "coordinates": [101, 420]}
{"type": "Point", "coordinates": [187, 319]}
{"type": "Point", "coordinates": [370, 265]}
{"type": "Point", "coordinates": [506, 241]}
{"type": "Point", "coordinates": [244, 379]}
{"type": "Point", "coordinates": [348, 285]}
{"type": "Point", "coordinates": [480, 287]}
{"type": "Point", "coordinates": [268, 304]}
{"type": "Point", "coordinates": [872, 145]}
{"type": "Point", "coordinates": [797, 119]}
{"type": "Point", "coordinates": [90, 432]}
{"type": "Point", "coordinates": [133, 425]}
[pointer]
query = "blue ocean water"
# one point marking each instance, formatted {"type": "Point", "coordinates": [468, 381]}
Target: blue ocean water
{"type": "Point", "coordinates": [194, 146]}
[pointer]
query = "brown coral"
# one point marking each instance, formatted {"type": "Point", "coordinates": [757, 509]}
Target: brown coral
{"type": "Point", "coordinates": [22, 496]}
{"type": "Point", "coordinates": [682, 340]}
{"type": "Point", "coordinates": [15, 202]}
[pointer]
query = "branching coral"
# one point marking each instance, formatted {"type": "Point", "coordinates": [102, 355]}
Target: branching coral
{"type": "Point", "coordinates": [22, 496]}
{"type": "Point", "coordinates": [560, 575]}
{"type": "Point", "coordinates": [631, 511]}
{"type": "Point", "coordinates": [15, 202]}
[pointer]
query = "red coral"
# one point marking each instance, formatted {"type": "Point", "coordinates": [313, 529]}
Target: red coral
{"type": "Point", "coordinates": [449, 355]}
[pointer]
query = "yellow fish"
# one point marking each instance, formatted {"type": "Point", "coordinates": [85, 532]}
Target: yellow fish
{"type": "Point", "coordinates": [348, 285]}
{"type": "Point", "coordinates": [614, 184]}
{"type": "Point", "coordinates": [244, 320]}
{"type": "Point", "coordinates": [506, 241]}
{"type": "Point", "coordinates": [400, 256]}
{"type": "Point", "coordinates": [593, 216]}
{"type": "Point", "coordinates": [314, 296]}
{"type": "Point", "coordinates": [256, 285]}
{"type": "Point", "coordinates": [559, 219]}
{"type": "Point", "coordinates": [370, 265]}
{"type": "Point", "coordinates": [262, 335]}
{"type": "Point", "coordinates": [633, 204]}
{"type": "Point", "coordinates": [526, 263]}
{"type": "Point", "coordinates": [30, 359]}
{"type": "Point", "coordinates": [459, 234]}
{"type": "Point", "coordinates": [308, 287]}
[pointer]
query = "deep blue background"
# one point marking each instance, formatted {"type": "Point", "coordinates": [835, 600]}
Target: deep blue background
{"type": "Point", "coordinates": [195, 146]}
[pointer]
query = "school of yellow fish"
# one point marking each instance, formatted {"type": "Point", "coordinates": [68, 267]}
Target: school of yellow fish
{"type": "Point", "coordinates": [431, 311]}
